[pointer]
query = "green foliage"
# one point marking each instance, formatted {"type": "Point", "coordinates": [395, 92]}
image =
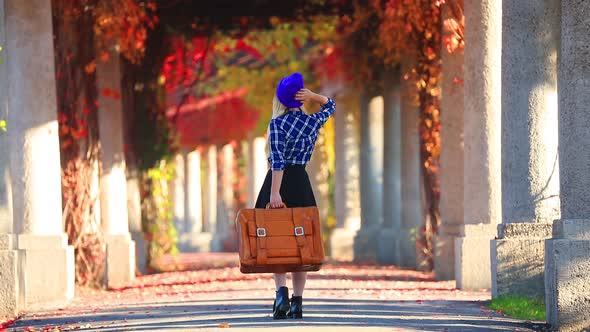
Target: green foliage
{"type": "Point", "coordinates": [157, 218]}
{"type": "Point", "coordinates": [519, 307]}
{"type": "Point", "coordinates": [153, 139]}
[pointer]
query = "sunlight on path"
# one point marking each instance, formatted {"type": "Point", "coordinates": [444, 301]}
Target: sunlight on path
{"type": "Point", "coordinates": [346, 297]}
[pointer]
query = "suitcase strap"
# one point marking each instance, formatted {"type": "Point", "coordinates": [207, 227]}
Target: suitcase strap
{"type": "Point", "coordinates": [261, 255]}
{"type": "Point", "coordinates": [298, 230]}
{"type": "Point", "coordinates": [301, 240]}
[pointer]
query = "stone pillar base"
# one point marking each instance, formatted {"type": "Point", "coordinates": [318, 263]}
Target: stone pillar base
{"type": "Point", "coordinates": [224, 242]}
{"type": "Point", "coordinates": [185, 242]}
{"type": "Point", "coordinates": [444, 253]}
{"type": "Point", "coordinates": [202, 241]}
{"type": "Point", "coordinates": [407, 248]}
{"type": "Point", "coordinates": [518, 259]}
{"type": "Point", "coordinates": [12, 296]}
{"type": "Point", "coordinates": [48, 268]}
{"type": "Point", "coordinates": [10, 302]}
{"type": "Point", "coordinates": [387, 246]}
{"type": "Point", "coordinates": [141, 249]}
{"type": "Point", "coordinates": [365, 244]}
{"type": "Point", "coordinates": [120, 266]}
{"type": "Point", "coordinates": [342, 244]}
{"type": "Point", "coordinates": [567, 265]}
{"type": "Point", "coordinates": [195, 242]}
{"type": "Point", "coordinates": [472, 257]}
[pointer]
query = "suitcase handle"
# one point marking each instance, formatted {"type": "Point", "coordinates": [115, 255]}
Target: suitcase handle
{"type": "Point", "coordinates": [283, 207]}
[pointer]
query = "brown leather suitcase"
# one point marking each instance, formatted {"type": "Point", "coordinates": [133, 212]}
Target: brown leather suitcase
{"type": "Point", "coordinates": [279, 240]}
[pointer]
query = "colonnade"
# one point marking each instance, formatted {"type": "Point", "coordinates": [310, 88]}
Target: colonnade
{"type": "Point", "coordinates": [32, 230]}
{"type": "Point", "coordinates": [514, 161]}
{"type": "Point", "coordinates": [36, 261]}
{"type": "Point", "coordinates": [204, 193]}
{"type": "Point", "coordinates": [515, 165]}
{"type": "Point", "coordinates": [525, 157]}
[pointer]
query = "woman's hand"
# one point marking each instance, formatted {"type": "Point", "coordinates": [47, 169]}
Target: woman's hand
{"type": "Point", "coordinates": [275, 200]}
{"type": "Point", "coordinates": [306, 95]}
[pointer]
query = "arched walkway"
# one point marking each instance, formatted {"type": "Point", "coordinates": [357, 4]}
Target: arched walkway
{"type": "Point", "coordinates": [343, 296]}
{"type": "Point", "coordinates": [514, 167]}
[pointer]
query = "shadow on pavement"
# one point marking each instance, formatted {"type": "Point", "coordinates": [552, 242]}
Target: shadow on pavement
{"type": "Point", "coordinates": [255, 313]}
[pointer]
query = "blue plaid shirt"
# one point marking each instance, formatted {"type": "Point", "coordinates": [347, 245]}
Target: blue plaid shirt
{"type": "Point", "coordinates": [292, 136]}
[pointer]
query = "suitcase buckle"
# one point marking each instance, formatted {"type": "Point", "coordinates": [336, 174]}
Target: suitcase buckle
{"type": "Point", "coordinates": [261, 232]}
{"type": "Point", "coordinates": [299, 231]}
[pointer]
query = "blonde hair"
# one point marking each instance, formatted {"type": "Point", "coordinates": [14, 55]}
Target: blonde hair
{"type": "Point", "coordinates": [278, 109]}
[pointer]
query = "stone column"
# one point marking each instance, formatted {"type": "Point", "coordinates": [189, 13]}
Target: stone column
{"type": "Point", "coordinates": [223, 238]}
{"type": "Point", "coordinates": [482, 169]}
{"type": "Point", "coordinates": [371, 120]}
{"type": "Point", "coordinates": [187, 198]}
{"type": "Point", "coordinates": [134, 212]}
{"type": "Point", "coordinates": [318, 169]}
{"type": "Point", "coordinates": [257, 168]}
{"type": "Point", "coordinates": [6, 219]}
{"type": "Point", "coordinates": [346, 179]}
{"type": "Point", "coordinates": [198, 239]}
{"type": "Point", "coordinates": [389, 239]}
{"type": "Point", "coordinates": [34, 157]}
{"type": "Point", "coordinates": [211, 190]}
{"type": "Point", "coordinates": [567, 254]}
{"type": "Point", "coordinates": [178, 199]}
{"type": "Point", "coordinates": [113, 182]}
{"type": "Point", "coordinates": [412, 213]}
{"type": "Point", "coordinates": [12, 291]}
{"type": "Point", "coordinates": [451, 161]}
{"type": "Point", "coordinates": [530, 173]}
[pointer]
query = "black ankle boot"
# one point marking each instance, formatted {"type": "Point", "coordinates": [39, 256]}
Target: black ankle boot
{"type": "Point", "coordinates": [281, 304]}
{"type": "Point", "coordinates": [296, 310]}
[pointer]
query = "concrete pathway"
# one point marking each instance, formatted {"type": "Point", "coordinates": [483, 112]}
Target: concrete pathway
{"type": "Point", "coordinates": [343, 297]}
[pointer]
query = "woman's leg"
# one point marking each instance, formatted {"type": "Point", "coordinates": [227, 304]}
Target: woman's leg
{"type": "Point", "coordinates": [299, 279]}
{"type": "Point", "coordinates": [280, 280]}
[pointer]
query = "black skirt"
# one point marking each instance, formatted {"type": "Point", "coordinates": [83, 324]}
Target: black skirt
{"type": "Point", "coordinates": [295, 189]}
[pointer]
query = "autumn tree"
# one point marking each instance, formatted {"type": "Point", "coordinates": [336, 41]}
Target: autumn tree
{"type": "Point", "coordinates": [84, 29]}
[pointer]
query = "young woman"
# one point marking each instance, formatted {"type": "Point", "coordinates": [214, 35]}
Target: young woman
{"type": "Point", "coordinates": [291, 139]}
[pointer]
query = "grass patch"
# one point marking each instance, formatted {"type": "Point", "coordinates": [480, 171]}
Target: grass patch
{"type": "Point", "coordinates": [519, 307]}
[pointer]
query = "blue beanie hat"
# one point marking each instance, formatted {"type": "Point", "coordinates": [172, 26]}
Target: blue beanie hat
{"type": "Point", "coordinates": [287, 89]}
